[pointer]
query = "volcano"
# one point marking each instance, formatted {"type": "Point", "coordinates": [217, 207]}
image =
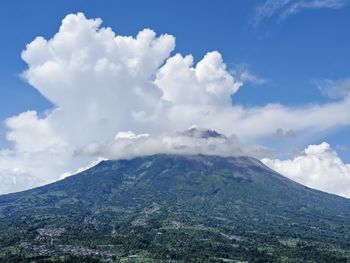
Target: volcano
{"type": "Point", "coordinates": [175, 208]}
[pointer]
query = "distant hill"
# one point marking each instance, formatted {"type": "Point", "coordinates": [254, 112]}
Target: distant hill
{"type": "Point", "coordinates": [172, 208]}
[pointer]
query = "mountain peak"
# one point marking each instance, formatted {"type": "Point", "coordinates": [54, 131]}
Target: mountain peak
{"type": "Point", "coordinates": [202, 133]}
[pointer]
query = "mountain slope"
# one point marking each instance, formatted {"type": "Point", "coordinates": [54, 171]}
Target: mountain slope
{"type": "Point", "coordinates": [176, 208]}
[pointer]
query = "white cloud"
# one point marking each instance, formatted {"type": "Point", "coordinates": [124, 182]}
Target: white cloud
{"type": "Point", "coordinates": [129, 135]}
{"type": "Point", "coordinates": [13, 181]}
{"type": "Point", "coordinates": [29, 123]}
{"type": "Point", "coordinates": [244, 75]}
{"type": "Point", "coordinates": [298, 6]}
{"type": "Point", "coordinates": [192, 141]}
{"type": "Point", "coordinates": [285, 8]}
{"type": "Point", "coordinates": [103, 84]}
{"type": "Point", "coordinates": [318, 167]}
{"type": "Point", "coordinates": [334, 89]}
{"type": "Point", "coordinates": [208, 83]}
{"type": "Point", "coordinates": [268, 9]}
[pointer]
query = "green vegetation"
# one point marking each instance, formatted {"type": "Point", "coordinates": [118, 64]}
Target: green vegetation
{"type": "Point", "coordinates": [175, 209]}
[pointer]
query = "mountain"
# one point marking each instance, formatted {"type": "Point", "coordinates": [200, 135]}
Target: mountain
{"type": "Point", "coordinates": [172, 208]}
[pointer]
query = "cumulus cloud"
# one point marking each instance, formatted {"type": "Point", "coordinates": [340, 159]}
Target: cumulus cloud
{"type": "Point", "coordinates": [318, 167]}
{"type": "Point", "coordinates": [208, 83]}
{"type": "Point", "coordinates": [102, 84]}
{"type": "Point", "coordinates": [286, 8]}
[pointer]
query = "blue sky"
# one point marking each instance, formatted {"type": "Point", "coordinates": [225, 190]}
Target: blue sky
{"type": "Point", "coordinates": [286, 49]}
